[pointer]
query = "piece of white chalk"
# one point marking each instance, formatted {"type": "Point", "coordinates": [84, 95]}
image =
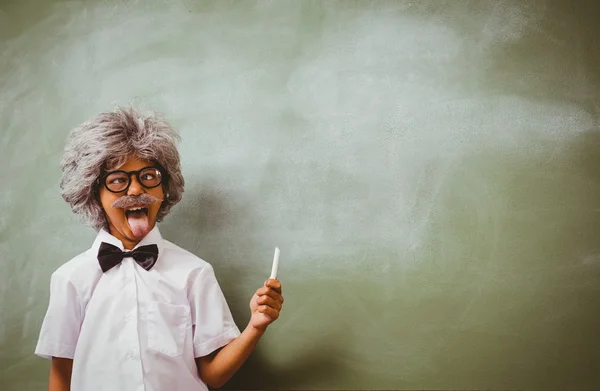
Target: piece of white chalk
{"type": "Point", "coordinates": [275, 264]}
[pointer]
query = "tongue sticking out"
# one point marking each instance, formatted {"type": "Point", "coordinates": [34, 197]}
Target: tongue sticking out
{"type": "Point", "coordinates": [138, 222]}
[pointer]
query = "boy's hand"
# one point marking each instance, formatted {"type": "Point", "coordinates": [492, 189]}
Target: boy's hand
{"type": "Point", "coordinates": [266, 304]}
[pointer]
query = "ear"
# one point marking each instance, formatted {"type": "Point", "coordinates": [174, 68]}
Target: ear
{"type": "Point", "coordinates": [165, 192]}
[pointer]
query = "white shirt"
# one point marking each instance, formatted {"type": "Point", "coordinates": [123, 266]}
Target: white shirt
{"type": "Point", "coordinates": [133, 329]}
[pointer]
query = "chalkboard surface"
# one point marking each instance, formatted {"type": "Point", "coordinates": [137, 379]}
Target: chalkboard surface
{"type": "Point", "coordinates": [430, 171]}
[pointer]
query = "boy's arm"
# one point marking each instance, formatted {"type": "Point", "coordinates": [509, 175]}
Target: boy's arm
{"type": "Point", "coordinates": [217, 368]}
{"type": "Point", "coordinates": [60, 374]}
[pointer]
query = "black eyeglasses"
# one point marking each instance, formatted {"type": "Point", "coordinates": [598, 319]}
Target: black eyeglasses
{"type": "Point", "coordinates": [119, 181]}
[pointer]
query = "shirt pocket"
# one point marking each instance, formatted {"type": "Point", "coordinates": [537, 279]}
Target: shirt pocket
{"type": "Point", "coordinates": [167, 327]}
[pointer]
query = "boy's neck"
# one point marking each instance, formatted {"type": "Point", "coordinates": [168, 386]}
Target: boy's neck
{"type": "Point", "coordinates": [127, 243]}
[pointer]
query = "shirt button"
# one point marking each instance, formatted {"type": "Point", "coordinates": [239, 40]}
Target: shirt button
{"type": "Point", "coordinates": [131, 355]}
{"type": "Point", "coordinates": [127, 318]}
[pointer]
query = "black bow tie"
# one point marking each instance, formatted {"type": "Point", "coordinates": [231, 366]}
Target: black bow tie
{"type": "Point", "coordinates": [110, 256]}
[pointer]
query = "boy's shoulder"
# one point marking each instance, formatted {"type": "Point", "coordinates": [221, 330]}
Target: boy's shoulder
{"type": "Point", "coordinates": [183, 258]}
{"type": "Point", "coordinates": [80, 261]}
{"type": "Point", "coordinates": [80, 271]}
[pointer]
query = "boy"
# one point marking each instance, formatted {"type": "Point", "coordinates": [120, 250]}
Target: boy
{"type": "Point", "coordinates": [136, 312]}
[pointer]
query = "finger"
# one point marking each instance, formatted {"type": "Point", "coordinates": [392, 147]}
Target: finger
{"type": "Point", "coordinates": [272, 313]}
{"type": "Point", "coordinates": [264, 291]}
{"type": "Point", "coordinates": [274, 284]}
{"type": "Point", "coordinates": [275, 302]}
{"type": "Point", "coordinates": [266, 300]}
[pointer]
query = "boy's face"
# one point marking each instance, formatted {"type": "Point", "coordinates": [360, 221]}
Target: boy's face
{"type": "Point", "coordinates": [125, 220]}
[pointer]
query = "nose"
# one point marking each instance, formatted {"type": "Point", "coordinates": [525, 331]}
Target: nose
{"type": "Point", "coordinates": [135, 188]}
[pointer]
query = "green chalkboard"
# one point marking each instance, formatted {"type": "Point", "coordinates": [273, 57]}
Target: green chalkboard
{"type": "Point", "coordinates": [430, 171]}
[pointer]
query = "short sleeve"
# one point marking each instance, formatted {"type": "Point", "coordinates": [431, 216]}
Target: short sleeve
{"type": "Point", "coordinates": [61, 326]}
{"type": "Point", "coordinates": [213, 324]}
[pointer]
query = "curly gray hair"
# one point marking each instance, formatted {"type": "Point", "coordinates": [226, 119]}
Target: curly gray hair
{"type": "Point", "coordinates": [104, 143]}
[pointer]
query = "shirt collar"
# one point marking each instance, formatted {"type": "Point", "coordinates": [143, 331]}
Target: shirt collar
{"type": "Point", "coordinates": [153, 237]}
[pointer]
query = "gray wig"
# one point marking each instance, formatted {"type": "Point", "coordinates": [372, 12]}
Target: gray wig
{"type": "Point", "coordinates": [103, 144]}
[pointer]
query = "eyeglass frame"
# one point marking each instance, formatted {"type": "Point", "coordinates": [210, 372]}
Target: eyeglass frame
{"type": "Point", "coordinates": [102, 179]}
